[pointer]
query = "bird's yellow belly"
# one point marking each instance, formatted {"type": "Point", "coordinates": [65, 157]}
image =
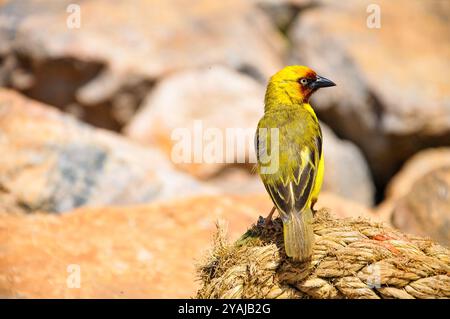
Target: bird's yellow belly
{"type": "Point", "coordinates": [319, 180]}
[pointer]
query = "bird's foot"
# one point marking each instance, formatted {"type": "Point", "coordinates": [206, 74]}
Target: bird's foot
{"type": "Point", "coordinates": [313, 202]}
{"type": "Point", "coordinates": [268, 220]}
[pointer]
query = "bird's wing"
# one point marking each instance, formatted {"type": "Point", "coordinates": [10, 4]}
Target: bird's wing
{"type": "Point", "coordinates": [291, 189]}
{"type": "Point", "coordinates": [291, 194]}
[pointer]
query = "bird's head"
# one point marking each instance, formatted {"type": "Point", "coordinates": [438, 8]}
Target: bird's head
{"type": "Point", "coordinates": [294, 84]}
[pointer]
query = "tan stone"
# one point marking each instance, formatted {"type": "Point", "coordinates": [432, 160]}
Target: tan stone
{"type": "Point", "coordinates": [417, 199]}
{"type": "Point", "coordinates": [199, 101]}
{"type": "Point", "coordinates": [346, 171]}
{"type": "Point", "coordinates": [425, 210]}
{"type": "Point", "coordinates": [111, 60]}
{"type": "Point", "coordinates": [416, 167]}
{"type": "Point", "coordinates": [52, 162]}
{"type": "Point", "coordinates": [129, 252]}
{"type": "Point", "coordinates": [146, 251]}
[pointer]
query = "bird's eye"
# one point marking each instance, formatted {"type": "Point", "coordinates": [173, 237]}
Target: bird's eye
{"type": "Point", "coordinates": [303, 81]}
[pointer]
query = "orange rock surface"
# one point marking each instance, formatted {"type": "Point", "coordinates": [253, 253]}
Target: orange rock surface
{"type": "Point", "coordinates": [134, 252]}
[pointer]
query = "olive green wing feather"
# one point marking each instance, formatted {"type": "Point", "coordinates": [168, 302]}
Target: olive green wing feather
{"type": "Point", "coordinates": [290, 187]}
{"type": "Point", "coordinates": [292, 193]}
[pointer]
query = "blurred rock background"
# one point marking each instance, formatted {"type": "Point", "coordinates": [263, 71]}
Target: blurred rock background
{"type": "Point", "coordinates": [87, 116]}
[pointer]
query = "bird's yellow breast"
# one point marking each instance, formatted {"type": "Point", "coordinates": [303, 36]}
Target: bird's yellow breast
{"type": "Point", "coordinates": [319, 180]}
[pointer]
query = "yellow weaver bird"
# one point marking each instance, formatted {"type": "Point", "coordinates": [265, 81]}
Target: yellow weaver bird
{"type": "Point", "coordinates": [289, 152]}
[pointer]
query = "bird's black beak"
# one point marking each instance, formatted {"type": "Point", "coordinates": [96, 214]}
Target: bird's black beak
{"type": "Point", "coordinates": [321, 82]}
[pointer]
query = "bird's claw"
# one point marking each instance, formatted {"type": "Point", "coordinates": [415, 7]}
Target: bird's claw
{"type": "Point", "coordinates": [268, 219]}
{"type": "Point", "coordinates": [268, 222]}
{"type": "Point", "coordinates": [314, 211]}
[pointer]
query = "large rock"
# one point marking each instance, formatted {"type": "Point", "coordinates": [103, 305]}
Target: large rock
{"type": "Point", "coordinates": [415, 168]}
{"type": "Point", "coordinates": [346, 170]}
{"type": "Point", "coordinates": [197, 103]}
{"type": "Point", "coordinates": [230, 104]}
{"type": "Point", "coordinates": [425, 210]}
{"type": "Point", "coordinates": [52, 162]}
{"type": "Point", "coordinates": [134, 252]}
{"type": "Point", "coordinates": [121, 48]}
{"type": "Point", "coordinates": [417, 198]}
{"type": "Point", "coordinates": [392, 94]}
{"type": "Point", "coordinates": [130, 252]}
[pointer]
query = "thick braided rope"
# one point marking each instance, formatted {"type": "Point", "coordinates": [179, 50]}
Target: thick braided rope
{"type": "Point", "coordinates": [353, 258]}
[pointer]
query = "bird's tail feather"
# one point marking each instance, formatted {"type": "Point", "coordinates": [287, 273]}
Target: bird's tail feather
{"type": "Point", "coordinates": [298, 235]}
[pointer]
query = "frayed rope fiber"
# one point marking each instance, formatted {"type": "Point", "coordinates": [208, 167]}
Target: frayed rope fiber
{"type": "Point", "coordinates": [352, 258]}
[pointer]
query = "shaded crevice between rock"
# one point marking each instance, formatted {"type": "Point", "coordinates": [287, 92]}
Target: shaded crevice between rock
{"type": "Point", "coordinates": [284, 14]}
{"type": "Point", "coordinates": [85, 89]}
